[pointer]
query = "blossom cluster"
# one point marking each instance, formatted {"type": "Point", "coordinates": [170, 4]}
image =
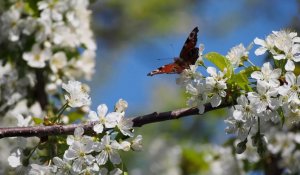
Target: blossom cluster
{"type": "Point", "coordinates": [283, 45]}
{"type": "Point", "coordinates": [285, 144]}
{"type": "Point", "coordinates": [260, 97]}
{"type": "Point", "coordinates": [277, 91]}
{"type": "Point", "coordinates": [86, 154]}
{"type": "Point", "coordinates": [89, 155]}
{"type": "Point", "coordinates": [275, 94]}
{"type": "Point", "coordinates": [210, 89]}
{"type": "Point", "coordinates": [13, 87]}
{"type": "Point", "coordinates": [48, 42]}
{"type": "Point", "coordinates": [49, 35]}
{"type": "Point", "coordinates": [282, 144]}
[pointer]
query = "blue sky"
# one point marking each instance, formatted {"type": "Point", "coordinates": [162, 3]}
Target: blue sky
{"type": "Point", "coordinates": [128, 78]}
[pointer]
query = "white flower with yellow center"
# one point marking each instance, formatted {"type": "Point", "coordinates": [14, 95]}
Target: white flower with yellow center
{"type": "Point", "coordinates": [108, 150]}
{"type": "Point", "coordinates": [103, 120]}
{"type": "Point", "coordinates": [216, 85]}
{"type": "Point", "coordinates": [58, 61]}
{"type": "Point", "coordinates": [78, 95]}
{"type": "Point", "coordinates": [37, 57]}
{"type": "Point", "coordinates": [268, 75]}
{"type": "Point", "coordinates": [237, 55]}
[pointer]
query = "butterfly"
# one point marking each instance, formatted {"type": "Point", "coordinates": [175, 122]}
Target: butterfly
{"type": "Point", "coordinates": [188, 56]}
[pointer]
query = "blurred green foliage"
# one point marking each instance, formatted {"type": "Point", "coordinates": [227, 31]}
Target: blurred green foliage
{"type": "Point", "coordinates": [119, 22]}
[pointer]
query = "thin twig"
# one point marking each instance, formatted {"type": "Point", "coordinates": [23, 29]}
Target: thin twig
{"type": "Point", "coordinates": [42, 131]}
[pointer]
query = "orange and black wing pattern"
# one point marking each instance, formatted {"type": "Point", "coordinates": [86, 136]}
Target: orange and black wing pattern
{"type": "Point", "coordinates": [188, 55]}
{"type": "Point", "coordinates": [189, 52]}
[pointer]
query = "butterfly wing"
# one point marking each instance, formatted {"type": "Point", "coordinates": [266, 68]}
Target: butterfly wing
{"type": "Point", "coordinates": [188, 55]}
{"type": "Point", "coordinates": [189, 52]}
{"type": "Point", "coordinates": [171, 68]}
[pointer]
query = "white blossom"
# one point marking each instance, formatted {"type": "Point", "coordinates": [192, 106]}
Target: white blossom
{"type": "Point", "coordinates": [264, 97]}
{"type": "Point", "coordinates": [86, 63]}
{"type": "Point", "coordinates": [285, 41]}
{"type": "Point", "coordinates": [36, 57]}
{"type": "Point", "coordinates": [40, 170]}
{"type": "Point", "coordinates": [92, 170]}
{"type": "Point", "coordinates": [224, 163]}
{"type": "Point", "coordinates": [216, 85]}
{"type": "Point", "coordinates": [165, 157]}
{"type": "Point", "coordinates": [198, 95]}
{"type": "Point", "coordinates": [244, 111]}
{"type": "Point", "coordinates": [79, 153]}
{"type": "Point", "coordinates": [237, 55]}
{"type": "Point", "coordinates": [107, 121]}
{"type": "Point", "coordinates": [125, 145]}
{"type": "Point", "coordinates": [58, 61]}
{"type": "Point", "coordinates": [268, 75]}
{"type": "Point", "coordinates": [52, 9]}
{"type": "Point", "coordinates": [282, 45]}
{"type": "Point", "coordinates": [121, 106]}
{"type": "Point", "coordinates": [237, 126]}
{"type": "Point", "coordinates": [44, 30]}
{"type": "Point", "coordinates": [281, 142]}
{"type": "Point", "coordinates": [23, 121]}
{"type": "Point", "coordinates": [188, 76]}
{"type": "Point", "coordinates": [78, 137]}
{"type": "Point", "coordinates": [108, 150]}
{"type": "Point", "coordinates": [11, 24]}
{"type": "Point", "coordinates": [125, 126]}
{"type": "Point", "coordinates": [266, 45]}
{"type": "Point", "coordinates": [292, 88]}
{"type": "Point", "coordinates": [136, 144]}
{"type": "Point", "coordinates": [291, 163]}
{"type": "Point", "coordinates": [62, 166]}
{"type": "Point", "coordinates": [15, 158]}
{"type": "Point", "coordinates": [78, 95]}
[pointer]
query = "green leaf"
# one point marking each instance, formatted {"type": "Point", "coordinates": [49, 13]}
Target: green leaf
{"type": "Point", "coordinates": [221, 62]}
{"type": "Point", "coordinates": [248, 71]}
{"type": "Point", "coordinates": [73, 116]}
{"type": "Point", "coordinates": [37, 120]}
{"type": "Point", "coordinates": [241, 79]}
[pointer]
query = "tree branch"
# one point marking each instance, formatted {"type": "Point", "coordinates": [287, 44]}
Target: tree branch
{"type": "Point", "coordinates": [39, 90]}
{"type": "Point", "coordinates": [42, 131]}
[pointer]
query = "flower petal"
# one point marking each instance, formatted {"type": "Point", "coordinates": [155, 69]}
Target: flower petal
{"type": "Point", "coordinates": [77, 165]}
{"type": "Point", "coordinates": [102, 110]}
{"type": "Point", "coordinates": [212, 71]}
{"type": "Point", "coordinates": [289, 66]}
{"type": "Point", "coordinates": [93, 116]}
{"type": "Point", "coordinates": [260, 42]}
{"type": "Point", "coordinates": [98, 128]}
{"type": "Point", "coordinates": [279, 57]}
{"type": "Point", "coordinates": [257, 75]}
{"type": "Point", "coordinates": [114, 157]}
{"type": "Point", "coordinates": [102, 158]}
{"type": "Point", "coordinates": [215, 100]}
{"type": "Point", "coordinates": [78, 132]}
{"type": "Point", "coordinates": [260, 51]}
{"type": "Point", "coordinates": [290, 78]}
